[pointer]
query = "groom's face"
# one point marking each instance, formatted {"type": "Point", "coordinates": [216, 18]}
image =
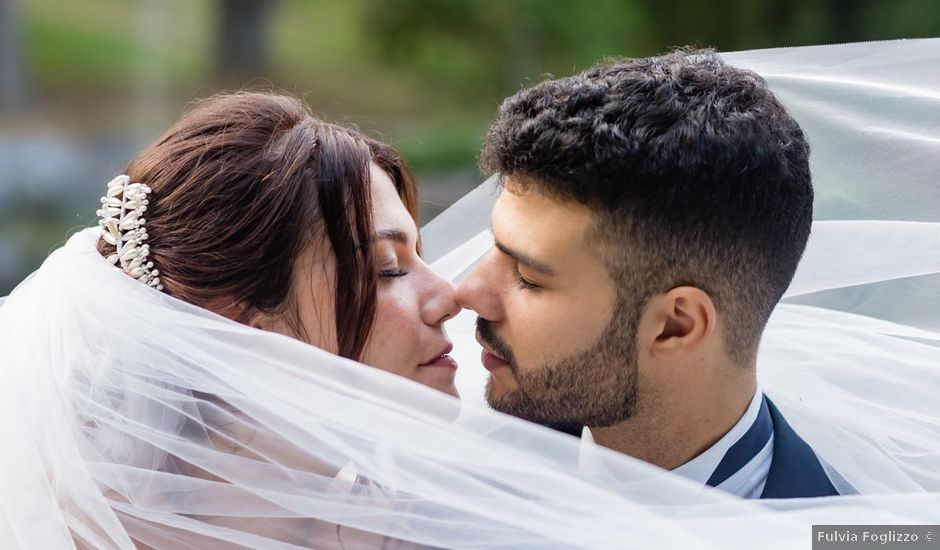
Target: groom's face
{"type": "Point", "coordinates": [549, 323]}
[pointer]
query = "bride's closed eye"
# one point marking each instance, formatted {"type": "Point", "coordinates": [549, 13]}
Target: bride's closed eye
{"type": "Point", "coordinates": [392, 240]}
{"type": "Point", "coordinates": [389, 260]}
{"type": "Point", "coordinates": [392, 273]}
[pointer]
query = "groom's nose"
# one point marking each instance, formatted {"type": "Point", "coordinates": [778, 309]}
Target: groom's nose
{"type": "Point", "coordinates": [479, 291]}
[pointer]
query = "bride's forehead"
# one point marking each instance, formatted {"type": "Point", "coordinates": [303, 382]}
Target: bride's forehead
{"type": "Point", "coordinates": [389, 211]}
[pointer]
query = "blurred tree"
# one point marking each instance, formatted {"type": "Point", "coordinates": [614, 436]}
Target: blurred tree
{"type": "Point", "coordinates": [12, 77]}
{"type": "Point", "coordinates": [731, 25]}
{"type": "Point", "coordinates": [242, 32]}
{"type": "Point", "coordinates": [485, 49]}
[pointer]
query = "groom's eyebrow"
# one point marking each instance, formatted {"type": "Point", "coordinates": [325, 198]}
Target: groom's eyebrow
{"type": "Point", "coordinates": [527, 261]}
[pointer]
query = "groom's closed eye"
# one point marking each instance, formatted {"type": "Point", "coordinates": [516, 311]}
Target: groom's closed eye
{"type": "Point", "coordinates": [525, 260]}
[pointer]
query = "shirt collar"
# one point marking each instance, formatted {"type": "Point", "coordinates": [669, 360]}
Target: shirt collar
{"type": "Point", "coordinates": [699, 468]}
{"type": "Point", "coordinates": [702, 466]}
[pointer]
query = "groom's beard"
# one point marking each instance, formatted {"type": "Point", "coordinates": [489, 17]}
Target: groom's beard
{"type": "Point", "coordinates": [597, 387]}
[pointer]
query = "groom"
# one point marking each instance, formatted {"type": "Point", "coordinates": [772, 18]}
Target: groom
{"type": "Point", "coordinates": [653, 213]}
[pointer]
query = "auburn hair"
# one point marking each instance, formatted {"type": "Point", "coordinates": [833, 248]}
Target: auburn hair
{"type": "Point", "coordinates": [242, 185]}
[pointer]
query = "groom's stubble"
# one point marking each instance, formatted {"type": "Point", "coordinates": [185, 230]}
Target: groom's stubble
{"type": "Point", "coordinates": [594, 387]}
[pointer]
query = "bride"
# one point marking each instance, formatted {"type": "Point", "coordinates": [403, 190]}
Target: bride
{"type": "Point", "coordinates": [141, 416]}
{"type": "Point", "coordinates": [258, 210]}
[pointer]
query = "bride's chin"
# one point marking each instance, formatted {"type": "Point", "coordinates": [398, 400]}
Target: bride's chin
{"type": "Point", "coordinates": [439, 379]}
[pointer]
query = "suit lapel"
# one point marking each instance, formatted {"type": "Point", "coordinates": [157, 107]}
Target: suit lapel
{"type": "Point", "coordinates": [795, 471]}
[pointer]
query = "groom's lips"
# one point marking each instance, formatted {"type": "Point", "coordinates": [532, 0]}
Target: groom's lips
{"type": "Point", "coordinates": [490, 360]}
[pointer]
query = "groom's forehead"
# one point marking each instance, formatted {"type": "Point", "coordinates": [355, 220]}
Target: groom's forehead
{"type": "Point", "coordinates": [540, 224]}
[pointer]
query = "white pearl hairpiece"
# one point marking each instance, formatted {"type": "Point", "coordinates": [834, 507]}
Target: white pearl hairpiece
{"type": "Point", "coordinates": [122, 225]}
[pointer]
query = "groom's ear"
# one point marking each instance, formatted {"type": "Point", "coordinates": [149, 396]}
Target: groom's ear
{"type": "Point", "coordinates": [678, 322]}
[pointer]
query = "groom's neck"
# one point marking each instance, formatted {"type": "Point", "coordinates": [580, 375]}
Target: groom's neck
{"type": "Point", "coordinates": [671, 427]}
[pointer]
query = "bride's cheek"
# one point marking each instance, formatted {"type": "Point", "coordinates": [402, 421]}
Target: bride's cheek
{"type": "Point", "coordinates": [393, 335]}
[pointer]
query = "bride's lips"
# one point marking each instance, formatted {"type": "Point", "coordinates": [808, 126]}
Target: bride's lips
{"type": "Point", "coordinates": [442, 359]}
{"type": "Point", "coordinates": [489, 359]}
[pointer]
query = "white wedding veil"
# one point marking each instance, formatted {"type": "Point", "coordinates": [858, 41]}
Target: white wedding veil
{"type": "Point", "coordinates": [128, 417]}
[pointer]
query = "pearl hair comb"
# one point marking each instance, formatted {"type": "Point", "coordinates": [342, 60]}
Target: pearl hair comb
{"type": "Point", "coordinates": [123, 225]}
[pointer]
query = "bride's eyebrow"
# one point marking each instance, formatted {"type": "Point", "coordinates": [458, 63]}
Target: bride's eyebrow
{"type": "Point", "coordinates": [391, 234]}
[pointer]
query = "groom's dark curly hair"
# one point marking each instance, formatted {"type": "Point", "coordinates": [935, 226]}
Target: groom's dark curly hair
{"type": "Point", "coordinates": [696, 172]}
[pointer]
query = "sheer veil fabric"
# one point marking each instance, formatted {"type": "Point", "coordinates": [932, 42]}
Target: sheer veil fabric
{"type": "Point", "coordinates": [131, 418]}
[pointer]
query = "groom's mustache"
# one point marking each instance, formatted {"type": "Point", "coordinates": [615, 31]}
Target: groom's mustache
{"type": "Point", "coordinates": [485, 332]}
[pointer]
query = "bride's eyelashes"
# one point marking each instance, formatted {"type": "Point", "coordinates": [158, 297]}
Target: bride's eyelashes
{"type": "Point", "coordinates": [392, 273]}
{"type": "Point", "coordinates": [391, 268]}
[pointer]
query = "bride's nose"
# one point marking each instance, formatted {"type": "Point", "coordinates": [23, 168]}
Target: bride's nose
{"type": "Point", "coordinates": [440, 302]}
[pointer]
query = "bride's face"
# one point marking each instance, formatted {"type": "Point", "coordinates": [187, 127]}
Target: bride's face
{"type": "Point", "coordinates": [412, 302]}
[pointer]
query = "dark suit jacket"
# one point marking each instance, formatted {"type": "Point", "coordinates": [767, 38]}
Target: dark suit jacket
{"type": "Point", "coordinates": [795, 472]}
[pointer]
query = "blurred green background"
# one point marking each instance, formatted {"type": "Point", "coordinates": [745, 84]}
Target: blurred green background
{"type": "Point", "coordinates": [84, 84]}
